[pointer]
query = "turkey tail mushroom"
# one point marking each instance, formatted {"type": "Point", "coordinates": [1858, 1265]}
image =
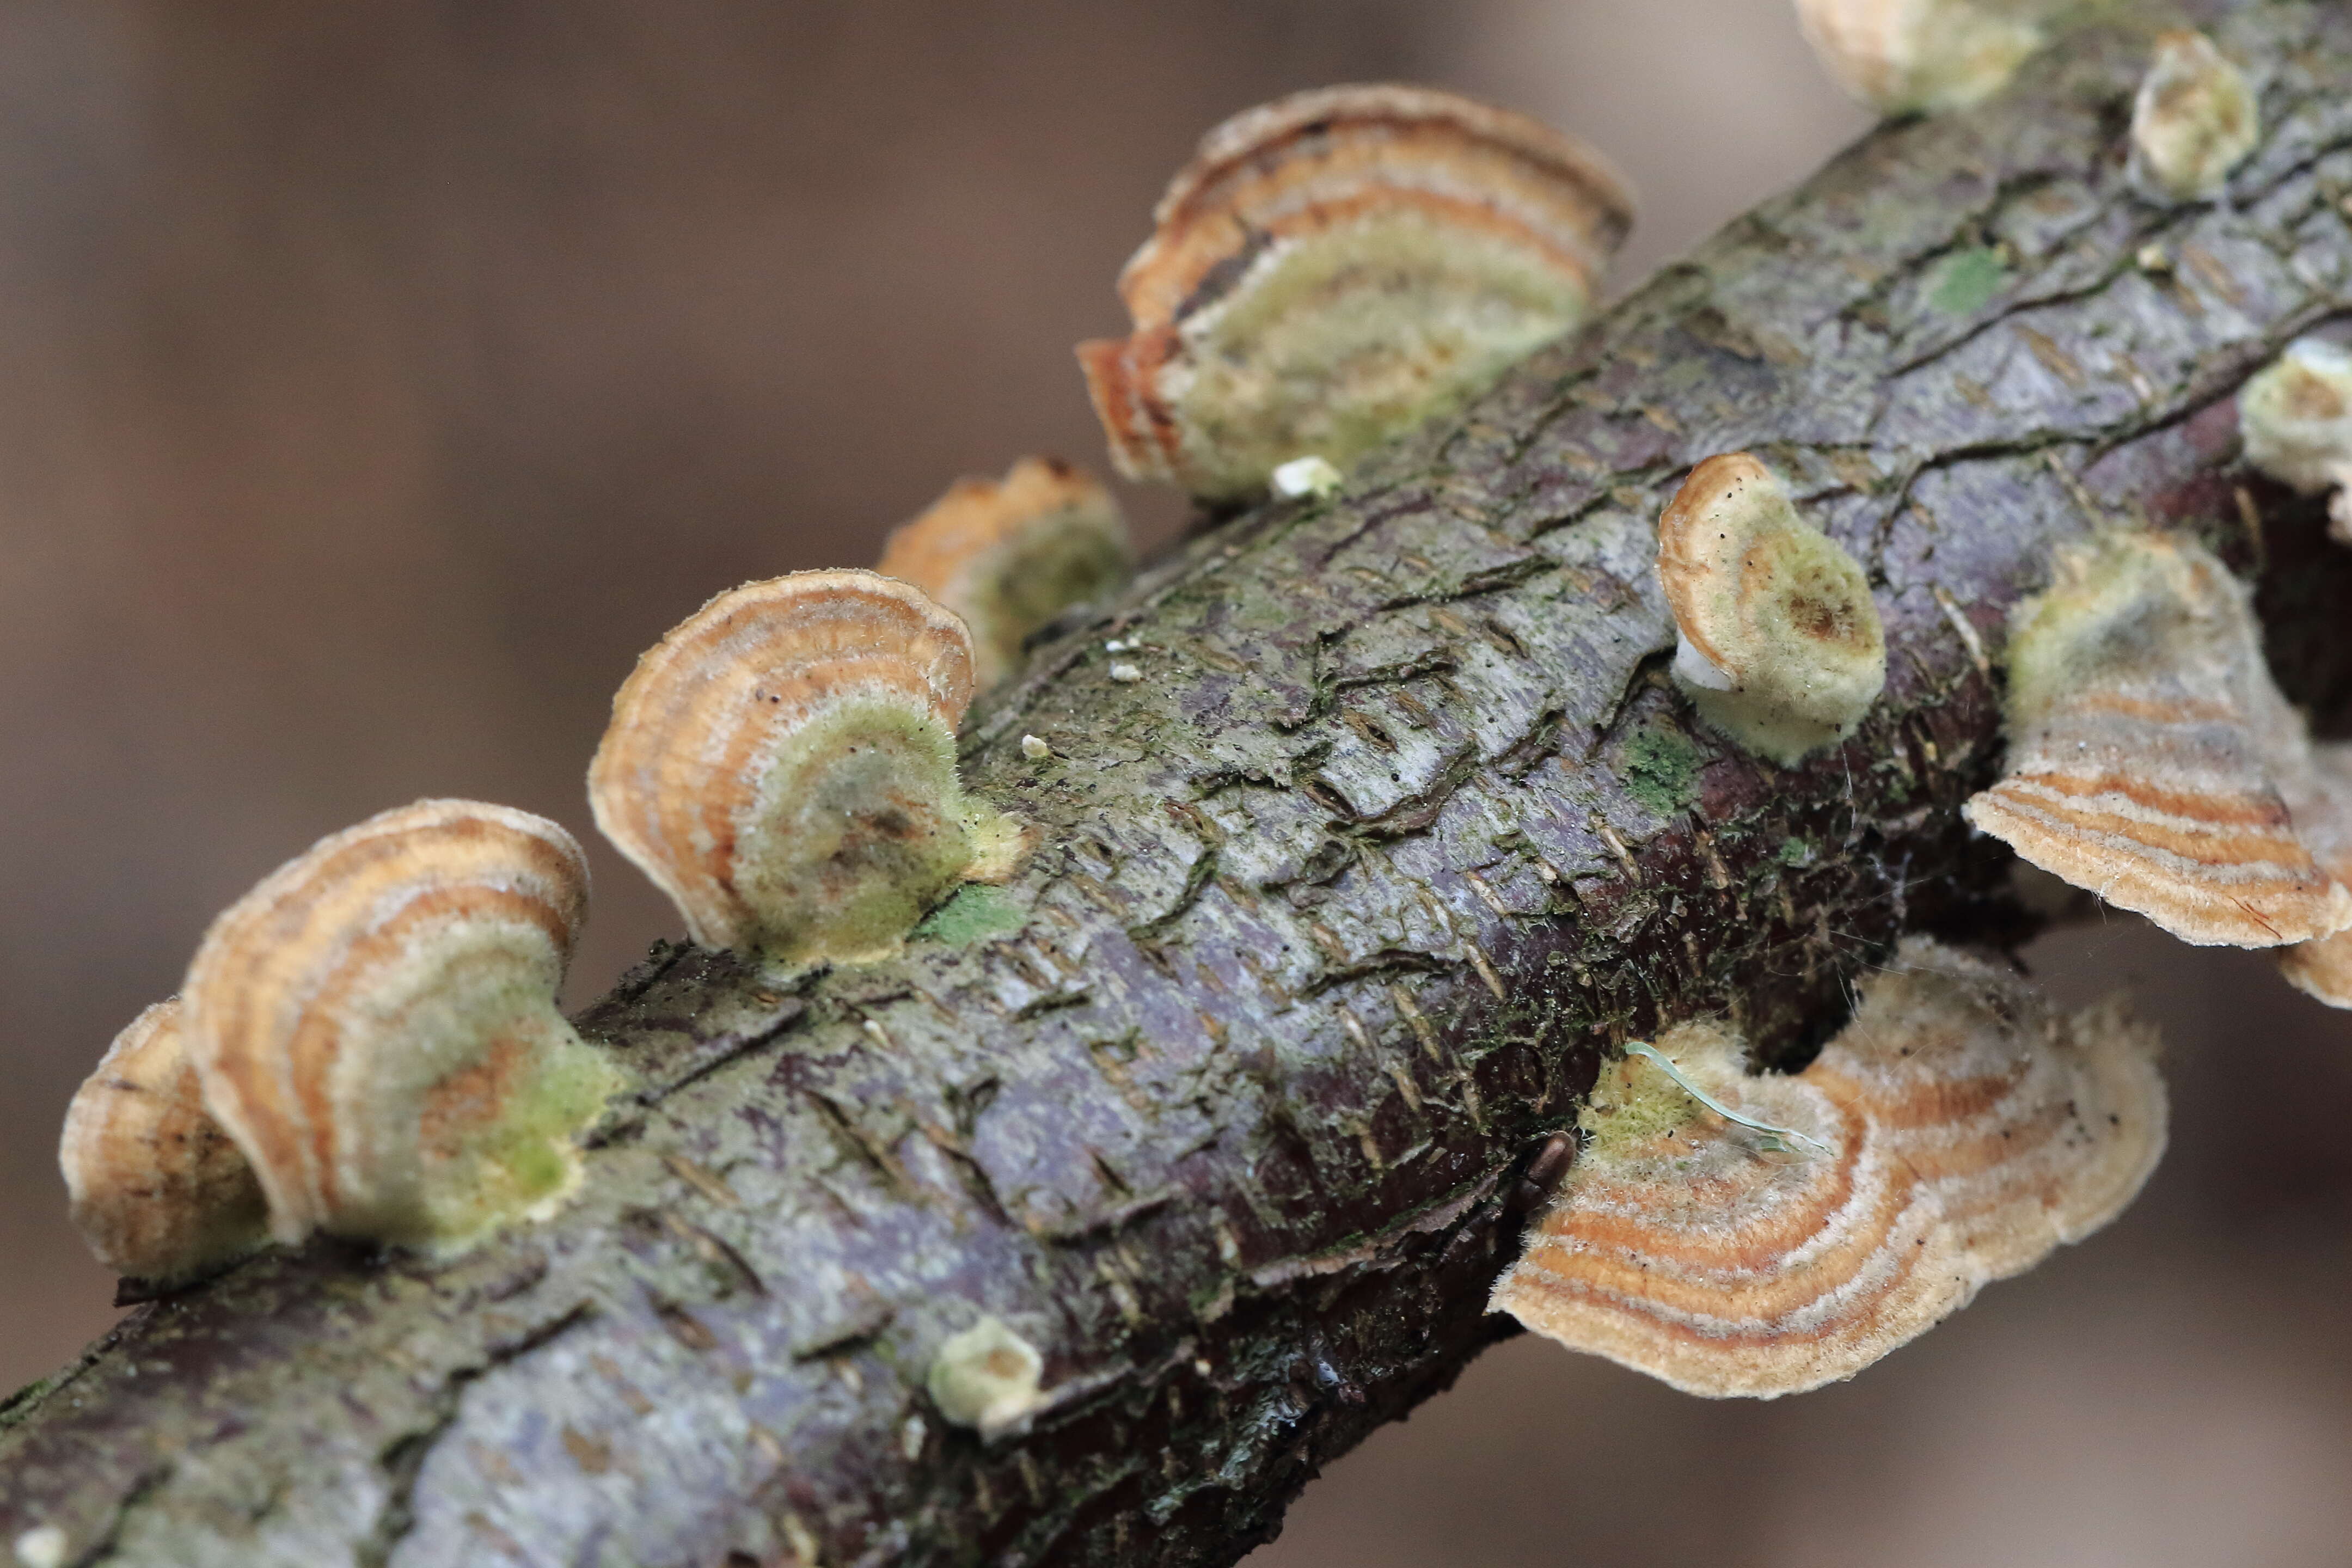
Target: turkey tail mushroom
{"type": "Point", "coordinates": [375, 1024]}
{"type": "Point", "coordinates": [158, 1189]}
{"type": "Point", "coordinates": [782, 764]}
{"type": "Point", "coordinates": [1338, 266]}
{"type": "Point", "coordinates": [1008, 555]}
{"type": "Point", "coordinates": [1963, 1133]}
{"type": "Point", "coordinates": [2144, 750]}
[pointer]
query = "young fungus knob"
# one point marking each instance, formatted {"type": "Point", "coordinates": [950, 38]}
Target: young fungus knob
{"type": "Point", "coordinates": [782, 764]}
{"type": "Point", "coordinates": [1781, 648]}
{"type": "Point", "coordinates": [1925, 56]}
{"type": "Point", "coordinates": [2144, 750]}
{"type": "Point", "coordinates": [986, 1377]}
{"type": "Point", "coordinates": [157, 1189]}
{"type": "Point", "coordinates": [1967, 1133]}
{"type": "Point", "coordinates": [1338, 266]}
{"type": "Point", "coordinates": [2295, 419]}
{"type": "Point", "coordinates": [2194, 121]}
{"type": "Point", "coordinates": [1009, 555]}
{"type": "Point", "coordinates": [376, 1026]}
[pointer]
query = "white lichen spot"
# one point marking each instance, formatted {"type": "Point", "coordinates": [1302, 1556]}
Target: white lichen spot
{"type": "Point", "coordinates": [2153, 258]}
{"type": "Point", "coordinates": [1034, 748]}
{"type": "Point", "coordinates": [1309, 475]}
{"type": "Point", "coordinates": [43, 1546]}
{"type": "Point", "coordinates": [912, 1437]}
{"type": "Point", "coordinates": [1126, 674]}
{"type": "Point", "coordinates": [986, 1377]}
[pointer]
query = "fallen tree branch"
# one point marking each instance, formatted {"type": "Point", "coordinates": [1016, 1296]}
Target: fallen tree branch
{"type": "Point", "coordinates": [1223, 1104]}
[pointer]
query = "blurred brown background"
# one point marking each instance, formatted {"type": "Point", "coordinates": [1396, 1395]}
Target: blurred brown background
{"type": "Point", "coordinates": [377, 379]}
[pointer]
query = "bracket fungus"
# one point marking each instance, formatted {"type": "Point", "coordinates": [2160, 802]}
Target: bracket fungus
{"type": "Point", "coordinates": [2193, 121]}
{"type": "Point", "coordinates": [2146, 758]}
{"type": "Point", "coordinates": [159, 1190]}
{"type": "Point", "coordinates": [1009, 555]}
{"type": "Point", "coordinates": [1779, 645]}
{"type": "Point", "coordinates": [1338, 266]}
{"type": "Point", "coordinates": [986, 1377]}
{"type": "Point", "coordinates": [375, 1024]}
{"type": "Point", "coordinates": [1923, 57]}
{"type": "Point", "coordinates": [2295, 417]}
{"type": "Point", "coordinates": [1968, 1130]}
{"type": "Point", "coordinates": [2319, 792]}
{"type": "Point", "coordinates": [782, 764]}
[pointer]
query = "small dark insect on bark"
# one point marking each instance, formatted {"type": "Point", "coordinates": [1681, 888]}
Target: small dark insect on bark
{"type": "Point", "coordinates": [1544, 1173]}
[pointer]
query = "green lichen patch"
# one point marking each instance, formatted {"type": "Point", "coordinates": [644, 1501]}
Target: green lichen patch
{"type": "Point", "coordinates": [1968, 280]}
{"type": "Point", "coordinates": [974, 913]}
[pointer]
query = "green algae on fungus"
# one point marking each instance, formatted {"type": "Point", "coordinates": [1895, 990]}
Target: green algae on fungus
{"type": "Point", "coordinates": [376, 1026]}
{"type": "Point", "coordinates": [1780, 645]}
{"type": "Point", "coordinates": [1339, 266]}
{"type": "Point", "coordinates": [1008, 555]}
{"type": "Point", "coordinates": [782, 764]}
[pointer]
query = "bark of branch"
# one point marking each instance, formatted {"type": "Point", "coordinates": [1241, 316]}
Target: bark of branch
{"type": "Point", "coordinates": [1222, 1103]}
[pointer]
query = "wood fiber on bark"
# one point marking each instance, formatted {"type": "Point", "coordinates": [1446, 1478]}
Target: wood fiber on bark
{"type": "Point", "coordinates": [1222, 1102]}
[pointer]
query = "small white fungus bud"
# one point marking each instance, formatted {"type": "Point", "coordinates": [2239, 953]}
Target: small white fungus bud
{"type": "Point", "coordinates": [986, 1377]}
{"type": "Point", "coordinates": [43, 1546]}
{"type": "Point", "coordinates": [1309, 475]}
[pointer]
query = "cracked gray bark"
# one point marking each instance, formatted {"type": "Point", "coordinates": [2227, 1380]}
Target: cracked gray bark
{"type": "Point", "coordinates": [1223, 1102]}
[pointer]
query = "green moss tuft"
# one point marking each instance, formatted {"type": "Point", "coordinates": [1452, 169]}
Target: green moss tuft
{"type": "Point", "coordinates": [1661, 771]}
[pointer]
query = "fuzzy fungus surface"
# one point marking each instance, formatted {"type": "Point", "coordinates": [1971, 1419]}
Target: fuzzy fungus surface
{"type": "Point", "coordinates": [2148, 749]}
{"type": "Point", "coordinates": [782, 765]}
{"type": "Point", "coordinates": [1777, 642]}
{"type": "Point", "coordinates": [1954, 1133]}
{"type": "Point", "coordinates": [158, 1189]}
{"type": "Point", "coordinates": [986, 1377]}
{"type": "Point", "coordinates": [375, 1024]}
{"type": "Point", "coordinates": [2320, 796]}
{"type": "Point", "coordinates": [1913, 57]}
{"type": "Point", "coordinates": [2194, 120]}
{"type": "Point", "coordinates": [2295, 417]}
{"type": "Point", "coordinates": [1008, 555]}
{"type": "Point", "coordinates": [1339, 266]}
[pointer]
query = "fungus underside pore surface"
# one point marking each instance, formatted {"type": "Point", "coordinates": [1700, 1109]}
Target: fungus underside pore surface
{"type": "Point", "coordinates": [1221, 1101]}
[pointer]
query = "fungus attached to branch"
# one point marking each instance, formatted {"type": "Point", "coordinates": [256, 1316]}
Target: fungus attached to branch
{"type": "Point", "coordinates": [376, 1026]}
{"type": "Point", "coordinates": [159, 1190]}
{"type": "Point", "coordinates": [1338, 266]}
{"type": "Point", "coordinates": [2320, 796]}
{"type": "Point", "coordinates": [2146, 749]}
{"type": "Point", "coordinates": [986, 1377]}
{"type": "Point", "coordinates": [1009, 555]}
{"type": "Point", "coordinates": [782, 764]}
{"type": "Point", "coordinates": [1781, 648]}
{"type": "Point", "coordinates": [2296, 418]}
{"type": "Point", "coordinates": [1925, 56]}
{"type": "Point", "coordinates": [2194, 121]}
{"type": "Point", "coordinates": [1969, 1132]}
